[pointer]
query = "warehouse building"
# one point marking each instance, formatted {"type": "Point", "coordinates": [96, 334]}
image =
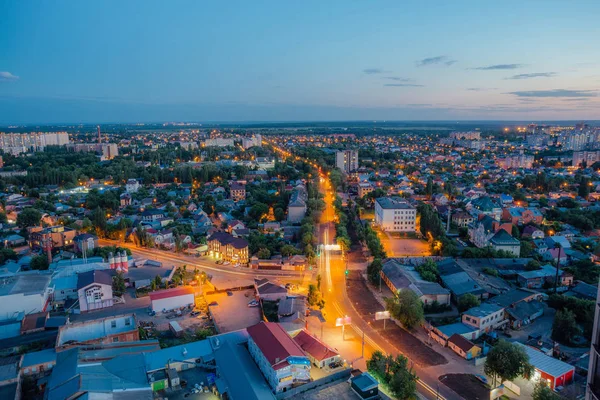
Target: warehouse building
{"type": "Point", "coordinates": [170, 299]}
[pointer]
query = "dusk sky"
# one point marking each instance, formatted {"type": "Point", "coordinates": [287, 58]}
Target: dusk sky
{"type": "Point", "coordinates": [143, 61]}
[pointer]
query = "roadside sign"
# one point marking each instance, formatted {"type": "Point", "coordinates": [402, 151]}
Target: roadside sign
{"type": "Point", "coordinates": [343, 321]}
{"type": "Point", "coordinates": [382, 315]}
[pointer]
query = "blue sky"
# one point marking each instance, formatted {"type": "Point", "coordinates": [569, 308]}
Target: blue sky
{"type": "Point", "coordinates": [129, 61]}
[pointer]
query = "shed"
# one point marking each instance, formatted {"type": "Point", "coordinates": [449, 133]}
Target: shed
{"type": "Point", "coordinates": [365, 386]}
{"type": "Point", "coordinates": [463, 347]}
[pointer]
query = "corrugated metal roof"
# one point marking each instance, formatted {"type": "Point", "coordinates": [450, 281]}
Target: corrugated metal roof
{"type": "Point", "coordinates": [545, 363]}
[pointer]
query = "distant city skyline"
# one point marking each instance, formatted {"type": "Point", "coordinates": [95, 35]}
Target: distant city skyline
{"type": "Point", "coordinates": [140, 61]}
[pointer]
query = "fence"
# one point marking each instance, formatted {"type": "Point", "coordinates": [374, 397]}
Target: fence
{"type": "Point", "coordinates": [338, 376]}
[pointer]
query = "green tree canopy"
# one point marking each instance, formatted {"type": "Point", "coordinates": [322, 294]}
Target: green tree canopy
{"type": "Point", "coordinates": [28, 217]}
{"type": "Point", "coordinates": [507, 361]}
{"type": "Point", "coordinates": [406, 307]}
{"type": "Point", "coordinates": [467, 301]}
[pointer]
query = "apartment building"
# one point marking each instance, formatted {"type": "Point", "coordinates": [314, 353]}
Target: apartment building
{"type": "Point", "coordinates": [394, 214]}
{"type": "Point", "coordinates": [346, 160]}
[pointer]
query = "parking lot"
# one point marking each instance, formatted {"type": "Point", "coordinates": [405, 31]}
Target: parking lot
{"type": "Point", "coordinates": [232, 313]}
{"type": "Point", "coordinates": [396, 246]}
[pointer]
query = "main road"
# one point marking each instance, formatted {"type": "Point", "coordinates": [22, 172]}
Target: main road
{"type": "Point", "coordinates": [366, 339]}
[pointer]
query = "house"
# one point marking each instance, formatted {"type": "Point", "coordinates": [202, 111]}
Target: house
{"type": "Point", "coordinates": [54, 237]}
{"type": "Point", "coordinates": [397, 278]}
{"type": "Point", "coordinates": [440, 199]}
{"type": "Point", "coordinates": [266, 290]}
{"type": "Point", "coordinates": [85, 242]}
{"type": "Point", "coordinates": [463, 347]}
{"type": "Point", "coordinates": [235, 225]}
{"type": "Point", "coordinates": [318, 352]}
{"type": "Point", "coordinates": [442, 333]}
{"type": "Point", "coordinates": [462, 219]}
{"type": "Point", "coordinates": [237, 191]}
{"type": "Point", "coordinates": [229, 248]}
{"type": "Point", "coordinates": [125, 199]}
{"type": "Point", "coordinates": [281, 360]}
{"type": "Point", "coordinates": [460, 283]}
{"type": "Point", "coordinates": [364, 188]}
{"type": "Point", "coordinates": [13, 241]}
{"type": "Point", "coordinates": [522, 215]}
{"type": "Point", "coordinates": [485, 317]}
{"type": "Point", "coordinates": [152, 215]}
{"type": "Point", "coordinates": [522, 306]}
{"type": "Point", "coordinates": [502, 240]}
{"type": "Point", "coordinates": [132, 186]}
{"type": "Point", "coordinates": [583, 290]}
{"type": "Point", "coordinates": [94, 290]}
{"type": "Point", "coordinates": [485, 205]}
{"type": "Point", "coordinates": [549, 369]}
{"type": "Point", "coordinates": [482, 230]}
{"type": "Point", "coordinates": [297, 205]}
{"type": "Point", "coordinates": [546, 274]}
{"type": "Point", "coordinates": [171, 299]}
{"type": "Point", "coordinates": [533, 232]}
{"type": "Point", "coordinates": [113, 329]}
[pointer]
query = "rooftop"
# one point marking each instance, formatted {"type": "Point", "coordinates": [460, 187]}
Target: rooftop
{"type": "Point", "coordinates": [25, 283]}
{"type": "Point", "coordinates": [274, 342]}
{"type": "Point", "coordinates": [313, 346]}
{"type": "Point", "coordinates": [394, 203]}
{"type": "Point", "coordinates": [168, 293]}
{"type": "Point", "coordinates": [545, 363]}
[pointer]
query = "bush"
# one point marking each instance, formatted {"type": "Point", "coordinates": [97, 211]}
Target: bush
{"type": "Point", "coordinates": [490, 271]}
{"type": "Point", "coordinates": [467, 301]}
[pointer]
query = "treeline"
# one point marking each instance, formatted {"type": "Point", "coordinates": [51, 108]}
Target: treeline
{"type": "Point", "coordinates": [432, 228]}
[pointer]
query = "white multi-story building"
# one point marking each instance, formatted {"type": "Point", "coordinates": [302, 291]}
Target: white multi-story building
{"type": "Point", "coordinates": [485, 317]}
{"type": "Point", "coordinates": [132, 186]}
{"type": "Point", "coordinates": [16, 143]}
{"type": "Point", "coordinates": [590, 157]}
{"type": "Point", "coordinates": [346, 160]}
{"type": "Point", "coordinates": [218, 142]}
{"type": "Point", "coordinates": [394, 214]}
{"type": "Point", "coordinates": [471, 135]}
{"type": "Point", "coordinates": [520, 160]}
{"type": "Point", "coordinates": [27, 292]}
{"type": "Point", "coordinates": [253, 141]}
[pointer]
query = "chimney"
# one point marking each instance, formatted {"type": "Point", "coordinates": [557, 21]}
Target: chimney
{"type": "Point", "coordinates": [99, 136]}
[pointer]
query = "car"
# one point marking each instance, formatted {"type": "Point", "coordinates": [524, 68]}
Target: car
{"type": "Point", "coordinates": [229, 293]}
{"type": "Point", "coordinates": [226, 263]}
{"type": "Point", "coordinates": [481, 378]}
{"type": "Point", "coordinates": [213, 303]}
{"type": "Point", "coordinates": [194, 313]}
{"type": "Point", "coordinates": [288, 285]}
{"type": "Point", "coordinates": [152, 313]}
{"type": "Point", "coordinates": [219, 262]}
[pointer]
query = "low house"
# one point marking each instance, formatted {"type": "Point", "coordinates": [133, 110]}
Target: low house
{"type": "Point", "coordinates": [485, 317]}
{"type": "Point", "coordinates": [554, 372]}
{"type": "Point", "coordinates": [113, 329]}
{"type": "Point", "coordinates": [266, 290]}
{"type": "Point", "coordinates": [85, 242]}
{"type": "Point", "coordinates": [460, 283]}
{"type": "Point", "coordinates": [442, 333]}
{"type": "Point", "coordinates": [546, 274]}
{"type": "Point", "coordinates": [522, 215]}
{"type": "Point", "coordinates": [397, 277]}
{"type": "Point", "coordinates": [482, 230]}
{"type": "Point", "coordinates": [462, 219]}
{"type": "Point", "coordinates": [94, 290]}
{"type": "Point", "coordinates": [318, 352]}
{"type": "Point", "coordinates": [502, 240]}
{"type": "Point", "coordinates": [38, 362]}
{"type": "Point", "coordinates": [521, 306]}
{"type": "Point", "coordinates": [533, 232]}
{"type": "Point", "coordinates": [463, 347]}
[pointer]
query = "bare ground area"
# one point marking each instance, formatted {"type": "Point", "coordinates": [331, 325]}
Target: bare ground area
{"type": "Point", "coordinates": [366, 305]}
{"type": "Point", "coordinates": [466, 386]}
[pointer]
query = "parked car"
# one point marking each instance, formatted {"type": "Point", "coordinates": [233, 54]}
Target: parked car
{"type": "Point", "coordinates": [194, 313]}
{"type": "Point", "coordinates": [229, 293]}
{"type": "Point", "coordinates": [226, 263]}
{"type": "Point", "coordinates": [253, 303]}
{"type": "Point", "coordinates": [481, 378]}
{"type": "Point", "coordinates": [213, 303]}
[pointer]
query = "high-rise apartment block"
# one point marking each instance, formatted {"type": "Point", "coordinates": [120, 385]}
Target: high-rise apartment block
{"type": "Point", "coordinates": [17, 143]}
{"type": "Point", "coordinates": [347, 160]}
{"type": "Point", "coordinates": [593, 376]}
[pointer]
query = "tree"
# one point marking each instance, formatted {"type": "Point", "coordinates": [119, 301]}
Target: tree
{"type": "Point", "coordinates": [158, 281]}
{"type": "Point", "coordinates": [313, 295]}
{"type": "Point", "coordinates": [507, 361]}
{"type": "Point", "coordinates": [279, 214]}
{"type": "Point", "coordinates": [373, 271]}
{"type": "Point", "coordinates": [288, 250]}
{"type": "Point", "coordinates": [533, 265]}
{"type": "Point", "coordinates": [3, 218]}
{"type": "Point", "coordinates": [118, 284]}
{"type": "Point", "coordinates": [543, 392]}
{"type": "Point", "coordinates": [264, 253]}
{"type": "Point", "coordinates": [39, 263]}
{"type": "Point", "coordinates": [394, 373]}
{"type": "Point", "coordinates": [319, 282]}
{"type": "Point", "coordinates": [560, 251]}
{"type": "Point", "coordinates": [406, 307]}
{"type": "Point", "coordinates": [584, 188]}
{"type": "Point", "coordinates": [428, 270]}
{"type": "Point", "coordinates": [564, 327]}
{"type": "Point", "coordinates": [467, 301]}
{"type": "Point", "coordinates": [99, 219]}
{"type": "Point", "coordinates": [28, 217]}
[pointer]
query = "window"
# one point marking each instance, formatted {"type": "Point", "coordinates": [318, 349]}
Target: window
{"type": "Point", "coordinates": [127, 322]}
{"type": "Point", "coordinates": [113, 324]}
{"type": "Point", "coordinates": [115, 339]}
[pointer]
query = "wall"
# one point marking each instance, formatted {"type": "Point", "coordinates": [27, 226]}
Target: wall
{"type": "Point", "coordinates": [338, 376]}
{"type": "Point", "coordinates": [172, 302]}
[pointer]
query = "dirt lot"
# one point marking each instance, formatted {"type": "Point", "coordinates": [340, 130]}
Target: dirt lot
{"type": "Point", "coordinates": [466, 386]}
{"type": "Point", "coordinates": [366, 305]}
{"type": "Point", "coordinates": [232, 312]}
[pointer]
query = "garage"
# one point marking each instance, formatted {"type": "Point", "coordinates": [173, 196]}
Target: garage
{"type": "Point", "coordinates": [171, 299]}
{"type": "Point", "coordinates": [554, 372]}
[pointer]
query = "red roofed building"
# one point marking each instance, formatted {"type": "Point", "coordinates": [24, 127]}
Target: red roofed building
{"type": "Point", "coordinates": [318, 352]}
{"type": "Point", "coordinates": [281, 360]}
{"type": "Point", "coordinates": [170, 299]}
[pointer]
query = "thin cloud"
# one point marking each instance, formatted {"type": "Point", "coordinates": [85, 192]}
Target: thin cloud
{"type": "Point", "coordinates": [373, 71]}
{"type": "Point", "coordinates": [499, 66]}
{"type": "Point", "coordinates": [555, 93]}
{"type": "Point", "coordinates": [439, 60]}
{"type": "Point", "coordinates": [533, 75]}
{"type": "Point", "coordinates": [479, 89]}
{"type": "Point", "coordinates": [6, 76]}
{"type": "Point", "coordinates": [402, 85]}
{"type": "Point", "coordinates": [398, 79]}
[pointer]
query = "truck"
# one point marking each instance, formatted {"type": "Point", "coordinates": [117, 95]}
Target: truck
{"type": "Point", "coordinates": [175, 328]}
